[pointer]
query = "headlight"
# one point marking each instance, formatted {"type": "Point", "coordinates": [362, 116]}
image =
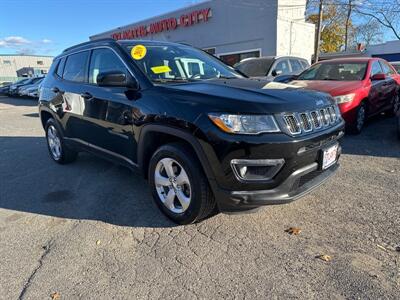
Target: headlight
{"type": "Point", "coordinates": [344, 98]}
{"type": "Point", "coordinates": [245, 124]}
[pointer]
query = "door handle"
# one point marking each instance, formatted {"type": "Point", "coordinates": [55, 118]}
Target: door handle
{"type": "Point", "coordinates": [55, 90]}
{"type": "Point", "coordinates": [87, 96]}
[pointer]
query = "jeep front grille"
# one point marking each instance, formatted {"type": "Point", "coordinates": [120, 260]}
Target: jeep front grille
{"type": "Point", "coordinates": [304, 122]}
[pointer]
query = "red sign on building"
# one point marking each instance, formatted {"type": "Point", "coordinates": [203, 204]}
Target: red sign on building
{"type": "Point", "coordinates": [185, 20]}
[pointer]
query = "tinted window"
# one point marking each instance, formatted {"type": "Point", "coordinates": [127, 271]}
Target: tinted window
{"type": "Point", "coordinates": [376, 68]}
{"type": "Point", "coordinates": [335, 71]}
{"type": "Point", "coordinates": [104, 60]}
{"type": "Point", "coordinates": [75, 67]}
{"type": "Point", "coordinates": [256, 67]}
{"type": "Point", "coordinates": [60, 68]}
{"type": "Point", "coordinates": [386, 68]}
{"type": "Point", "coordinates": [296, 65]}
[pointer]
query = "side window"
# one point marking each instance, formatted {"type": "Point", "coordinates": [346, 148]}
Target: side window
{"type": "Point", "coordinates": [305, 64]}
{"type": "Point", "coordinates": [75, 67]}
{"type": "Point", "coordinates": [282, 67]}
{"type": "Point", "coordinates": [386, 68]}
{"type": "Point", "coordinates": [296, 65]}
{"type": "Point", "coordinates": [376, 68]}
{"type": "Point", "coordinates": [104, 60]}
{"type": "Point", "coordinates": [60, 67]}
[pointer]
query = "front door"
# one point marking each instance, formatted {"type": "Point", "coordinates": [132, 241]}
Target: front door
{"type": "Point", "coordinates": [376, 94]}
{"type": "Point", "coordinates": [108, 110]}
{"type": "Point", "coordinates": [390, 86]}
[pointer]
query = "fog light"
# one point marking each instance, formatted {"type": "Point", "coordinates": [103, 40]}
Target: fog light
{"type": "Point", "coordinates": [256, 169]}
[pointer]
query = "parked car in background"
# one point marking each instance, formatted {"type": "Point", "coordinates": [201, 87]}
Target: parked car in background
{"type": "Point", "coordinates": [270, 67]}
{"type": "Point", "coordinates": [30, 88]}
{"type": "Point", "coordinates": [396, 65]}
{"type": "Point", "coordinates": [206, 140]}
{"type": "Point", "coordinates": [362, 87]}
{"type": "Point", "coordinates": [14, 88]}
{"type": "Point", "coordinates": [5, 87]}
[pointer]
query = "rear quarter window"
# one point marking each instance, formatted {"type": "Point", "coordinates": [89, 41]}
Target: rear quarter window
{"type": "Point", "coordinates": [60, 67]}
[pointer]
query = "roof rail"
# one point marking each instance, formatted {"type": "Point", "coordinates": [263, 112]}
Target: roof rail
{"type": "Point", "coordinates": [89, 42]}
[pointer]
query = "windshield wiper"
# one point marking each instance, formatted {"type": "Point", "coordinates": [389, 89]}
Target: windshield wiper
{"type": "Point", "coordinates": [167, 80]}
{"type": "Point", "coordinates": [226, 77]}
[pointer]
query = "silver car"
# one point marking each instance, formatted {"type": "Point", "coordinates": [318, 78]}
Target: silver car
{"type": "Point", "coordinates": [269, 67]}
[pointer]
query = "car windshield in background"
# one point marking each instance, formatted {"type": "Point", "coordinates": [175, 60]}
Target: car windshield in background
{"type": "Point", "coordinates": [335, 71]}
{"type": "Point", "coordinates": [255, 67]}
{"type": "Point", "coordinates": [177, 63]}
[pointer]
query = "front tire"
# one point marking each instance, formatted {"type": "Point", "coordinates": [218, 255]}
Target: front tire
{"type": "Point", "coordinates": [58, 151]}
{"type": "Point", "coordinates": [179, 185]}
{"type": "Point", "coordinates": [361, 116]}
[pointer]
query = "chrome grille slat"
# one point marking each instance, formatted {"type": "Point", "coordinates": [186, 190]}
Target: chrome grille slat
{"type": "Point", "coordinates": [292, 124]}
{"type": "Point", "coordinates": [305, 122]}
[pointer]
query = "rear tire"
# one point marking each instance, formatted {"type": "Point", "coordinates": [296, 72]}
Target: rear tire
{"type": "Point", "coordinates": [179, 185]}
{"type": "Point", "coordinates": [58, 150]}
{"type": "Point", "coordinates": [361, 116]}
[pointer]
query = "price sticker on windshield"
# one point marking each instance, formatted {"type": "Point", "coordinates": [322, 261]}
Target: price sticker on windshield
{"type": "Point", "coordinates": [138, 52]}
{"type": "Point", "coordinates": [161, 69]}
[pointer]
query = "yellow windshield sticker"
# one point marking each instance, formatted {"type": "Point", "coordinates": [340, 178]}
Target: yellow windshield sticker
{"type": "Point", "coordinates": [138, 52]}
{"type": "Point", "coordinates": [161, 69]}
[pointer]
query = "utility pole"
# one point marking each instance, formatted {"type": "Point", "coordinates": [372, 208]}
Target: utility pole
{"type": "Point", "coordinates": [318, 35]}
{"type": "Point", "coordinates": [346, 37]}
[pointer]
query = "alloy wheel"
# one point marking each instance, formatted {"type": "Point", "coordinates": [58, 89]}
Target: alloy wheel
{"type": "Point", "coordinates": [54, 142]}
{"type": "Point", "coordinates": [172, 185]}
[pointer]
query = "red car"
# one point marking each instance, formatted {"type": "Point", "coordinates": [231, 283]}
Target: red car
{"type": "Point", "coordinates": [362, 87]}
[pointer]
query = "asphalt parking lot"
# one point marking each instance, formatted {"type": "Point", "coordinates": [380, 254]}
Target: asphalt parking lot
{"type": "Point", "coordinates": [89, 230]}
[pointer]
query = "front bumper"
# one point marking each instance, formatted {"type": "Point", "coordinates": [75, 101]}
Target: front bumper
{"type": "Point", "coordinates": [301, 173]}
{"type": "Point", "coordinates": [297, 185]}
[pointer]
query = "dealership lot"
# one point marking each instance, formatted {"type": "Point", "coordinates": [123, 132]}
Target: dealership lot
{"type": "Point", "coordinates": [90, 229]}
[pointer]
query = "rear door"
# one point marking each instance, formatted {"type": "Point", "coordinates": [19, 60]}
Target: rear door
{"type": "Point", "coordinates": [108, 110]}
{"type": "Point", "coordinates": [376, 95]}
{"type": "Point", "coordinates": [71, 88]}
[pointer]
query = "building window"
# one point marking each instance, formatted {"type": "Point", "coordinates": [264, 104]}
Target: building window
{"type": "Point", "coordinates": [210, 50]}
{"type": "Point", "coordinates": [7, 62]}
{"type": "Point", "coordinates": [40, 62]}
{"type": "Point", "coordinates": [233, 58]}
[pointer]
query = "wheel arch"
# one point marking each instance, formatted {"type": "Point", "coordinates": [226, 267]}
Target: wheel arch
{"type": "Point", "coordinates": [153, 136]}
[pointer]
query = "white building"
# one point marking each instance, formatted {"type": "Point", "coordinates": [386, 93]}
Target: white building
{"type": "Point", "coordinates": [230, 29]}
{"type": "Point", "coordinates": [13, 66]}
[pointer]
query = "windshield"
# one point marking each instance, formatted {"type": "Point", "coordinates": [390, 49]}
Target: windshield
{"type": "Point", "coordinates": [255, 67]}
{"type": "Point", "coordinates": [164, 63]}
{"type": "Point", "coordinates": [335, 71]}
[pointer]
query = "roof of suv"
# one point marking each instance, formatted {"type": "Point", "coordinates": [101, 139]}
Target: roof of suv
{"type": "Point", "coordinates": [108, 41]}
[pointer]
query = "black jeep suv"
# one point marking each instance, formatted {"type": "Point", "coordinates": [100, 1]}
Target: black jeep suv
{"type": "Point", "coordinates": [206, 138]}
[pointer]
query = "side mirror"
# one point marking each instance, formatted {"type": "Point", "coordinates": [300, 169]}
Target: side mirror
{"type": "Point", "coordinates": [117, 79]}
{"type": "Point", "coordinates": [276, 73]}
{"type": "Point", "coordinates": [379, 76]}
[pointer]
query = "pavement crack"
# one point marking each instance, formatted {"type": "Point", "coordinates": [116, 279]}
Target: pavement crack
{"type": "Point", "coordinates": [27, 284]}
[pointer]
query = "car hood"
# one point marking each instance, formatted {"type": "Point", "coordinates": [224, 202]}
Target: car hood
{"type": "Point", "coordinates": [248, 95]}
{"type": "Point", "coordinates": [334, 88]}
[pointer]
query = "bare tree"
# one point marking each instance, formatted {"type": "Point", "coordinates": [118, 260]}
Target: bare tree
{"type": "Point", "coordinates": [369, 33]}
{"type": "Point", "coordinates": [386, 13]}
